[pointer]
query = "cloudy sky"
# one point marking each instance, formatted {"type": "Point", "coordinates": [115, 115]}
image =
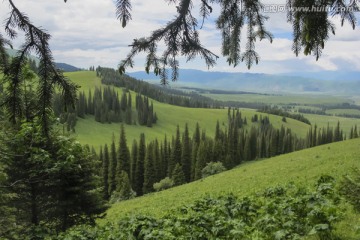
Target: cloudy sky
{"type": "Point", "coordinates": [86, 33]}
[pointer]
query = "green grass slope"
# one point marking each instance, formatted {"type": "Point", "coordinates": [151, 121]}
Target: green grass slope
{"type": "Point", "coordinates": [302, 168]}
{"type": "Point", "coordinates": [322, 121]}
{"type": "Point", "coordinates": [298, 99]}
{"type": "Point", "coordinates": [88, 131]}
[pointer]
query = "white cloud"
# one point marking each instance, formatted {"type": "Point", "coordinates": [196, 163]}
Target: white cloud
{"type": "Point", "coordinates": [87, 33]}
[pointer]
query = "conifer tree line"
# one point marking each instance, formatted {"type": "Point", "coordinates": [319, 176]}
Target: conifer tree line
{"type": "Point", "coordinates": [280, 112]}
{"type": "Point", "coordinates": [181, 158]}
{"type": "Point", "coordinates": [159, 93]}
{"type": "Point", "coordinates": [107, 106]}
{"type": "Point", "coordinates": [318, 136]}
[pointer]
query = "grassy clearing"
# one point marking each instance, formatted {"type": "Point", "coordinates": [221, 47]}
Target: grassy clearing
{"type": "Point", "coordinates": [302, 168]}
{"type": "Point", "coordinates": [88, 131]}
{"type": "Point", "coordinates": [87, 80]}
{"type": "Point", "coordinates": [280, 99]}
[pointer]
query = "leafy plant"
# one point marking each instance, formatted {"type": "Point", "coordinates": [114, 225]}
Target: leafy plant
{"type": "Point", "coordinates": [281, 212]}
{"type": "Point", "coordinates": [350, 188]}
{"type": "Point", "coordinates": [212, 168]}
{"type": "Point", "coordinates": [163, 184]}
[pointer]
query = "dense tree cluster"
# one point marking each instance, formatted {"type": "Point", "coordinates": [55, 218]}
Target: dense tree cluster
{"type": "Point", "coordinates": [323, 112]}
{"type": "Point", "coordinates": [47, 181]}
{"type": "Point", "coordinates": [280, 112]}
{"type": "Point", "coordinates": [317, 136]}
{"type": "Point", "coordinates": [107, 107]}
{"type": "Point", "coordinates": [159, 93]}
{"type": "Point", "coordinates": [183, 158]}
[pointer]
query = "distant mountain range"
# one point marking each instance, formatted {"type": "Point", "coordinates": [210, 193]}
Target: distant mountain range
{"type": "Point", "coordinates": [258, 82]}
{"type": "Point", "coordinates": [67, 67]}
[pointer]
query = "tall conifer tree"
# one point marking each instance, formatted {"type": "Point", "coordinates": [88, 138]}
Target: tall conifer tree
{"type": "Point", "coordinates": [186, 154]}
{"type": "Point", "coordinates": [139, 169]}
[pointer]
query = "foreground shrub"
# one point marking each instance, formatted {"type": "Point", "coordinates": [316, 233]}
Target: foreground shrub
{"type": "Point", "coordinates": [276, 213]}
{"type": "Point", "coordinates": [212, 168]}
{"type": "Point", "coordinates": [163, 184]}
{"type": "Point", "coordinates": [350, 188]}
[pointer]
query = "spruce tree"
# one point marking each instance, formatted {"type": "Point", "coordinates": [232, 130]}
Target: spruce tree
{"type": "Point", "coordinates": [113, 165]}
{"type": "Point", "coordinates": [178, 175]}
{"type": "Point", "coordinates": [105, 172]}
{"type": "Point", "coordinates": [337, 133]}
{"type": "Point", "coordinates": [149, 170]}
{"type": "Point", "coordinates": [139, 169]}
{"type": "Point", "coordinates": [123, 189]}
{"type": "Point", "coordinates": [186, 154]}
{"type": "Point", "coordinates": [201, 159]}
{"type": "Point", "coordinates": [157, 161]}
{"type": "Point", "coordinates": [356, 134]}
{"type": "Point", "coordinates": [247, 148]}
{"type": "Point", "coordinates": [197, 136]}
{"type": "Point", "coordinates": [165, 155]}
{"type": "Point", "coordinates": [176, 152]}
{"type": "Point", "coordinates": [134, 156]}
{"type": "Point", "coordinates": [123, 102]}
{"type": "Point", "coordinates": [123, 154]}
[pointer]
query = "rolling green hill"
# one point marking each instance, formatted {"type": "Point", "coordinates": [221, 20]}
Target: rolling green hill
{"type": "Point", "coordinates": [302, 168]}
{"type": "Point", "coordinates": [88, 131]}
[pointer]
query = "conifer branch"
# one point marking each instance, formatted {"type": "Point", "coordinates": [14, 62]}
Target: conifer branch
{"type": "Point", "coordinates": [36, 40]}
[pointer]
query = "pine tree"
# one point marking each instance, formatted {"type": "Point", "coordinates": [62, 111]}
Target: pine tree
{"type": "Point", "coordinates": [176, 152]}
{"type": "Point", "coordinates": [356, 134]}
{"type": "Point", "coordinates": [178, 175]}
{"type": "Point", "coordinates": [337, 133]}
{"type": "Point", "coordinates": [123, 102]}
{"type": "Point", "coordinates": [157, 161]}
{"type": "Point", "coordinates": [134, 157]}
{"type": "Point", "coordinates": [351, 136]}
{"type": "Point", "coordinates": [262, 148]}
{"type": "Point", "coordinates": [194, 152]}
{"type": "Point", "coordinates": [123, 153]}
{"type": "Point", "coordinates": [105, 173]}
{"type": "Point", "coordinates": [139, 170]}
{"type": "Point", "coordinates": [123, 189]}
{"type": "Point", "coordinates": [273, 143]}
{"type": "Point", "coordinates": [149, 170]}
{"type": "Point", "coordinates": [113, 165]}
{"type": "Point", "coordinates": [196, 137]}
{"type": "Point", "coordinates": [186, 155]}
{"type": "Point", "coordinates": [247, 148]}
{"type": "Point", "coordinates": [217, 131]}
{"type": "Point", "coordinates": [165, 155]}
{"type": "Point", "coordinates": [201, 159]}
{"type": "Point", "coordinates": [314, 136]}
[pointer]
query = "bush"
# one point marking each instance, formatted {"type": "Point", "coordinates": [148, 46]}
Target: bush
{"type": "Point", "coordinates": [163, 184]}
{"type": "Point", "coordinates": [212, 168]}
{"type": "Point", "coordinates": [350, 188]}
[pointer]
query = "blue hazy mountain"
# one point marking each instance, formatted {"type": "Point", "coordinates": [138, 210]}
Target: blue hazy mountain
{"type": "Point", "coordinates": [67, 67]}
{"type": "Point", "coordinates": [330, 75]}
{"type": "Point", "coordinates": [258, 82]}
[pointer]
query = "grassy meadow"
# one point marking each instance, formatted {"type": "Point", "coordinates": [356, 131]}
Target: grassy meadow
{"type": "Point", "coordinates": [343, 111]}
{"type": "Point", "coordinates": [302, 168]}
{"type": "Point", "coordinates": [293, 99]}
{"type": "Point", "coordinates": [88, 131]}
{"type": "Point", "coordinates": [323, 120]}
